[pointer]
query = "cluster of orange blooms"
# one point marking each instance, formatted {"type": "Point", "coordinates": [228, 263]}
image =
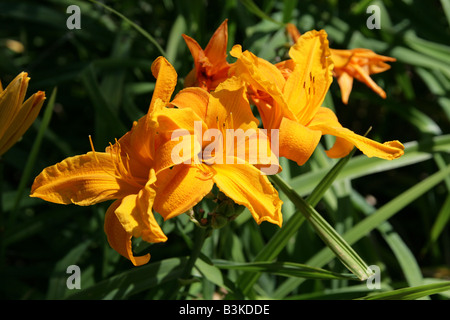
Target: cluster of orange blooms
{"type": "Point", "coordinates": [140, 174]}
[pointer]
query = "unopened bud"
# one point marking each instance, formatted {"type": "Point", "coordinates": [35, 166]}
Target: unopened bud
{"type": "Point", "coordinates": [218, 221]}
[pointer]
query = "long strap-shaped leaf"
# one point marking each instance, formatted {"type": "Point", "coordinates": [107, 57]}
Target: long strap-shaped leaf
{"type": "Point", "coordinates": [288, 269]}
{"type": "Point", "coordinates": [134, 280]}
{"type": "Point", "coordinates": [281, 238]}
{"type": "Point", "coordinates": [368, 224]}
{"type": "Point", "coordinates": [410, 293]}
{"type": "Point", "coordinates": [134, 25]}
{"type": "Point", "coordinates": [331, 237]}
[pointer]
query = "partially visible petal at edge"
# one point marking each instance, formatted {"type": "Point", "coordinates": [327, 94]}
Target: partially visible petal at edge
{"type": "Point", "coordinates": [327, 122]}
{"type": "Point", "coordinates": [11, 100]}
{"type": "Point", "coordinates": [22, 121]}
{"type": "Point", "coordinates": [118, 238]}
{"type": "Point", "coordinates": [247, 186]}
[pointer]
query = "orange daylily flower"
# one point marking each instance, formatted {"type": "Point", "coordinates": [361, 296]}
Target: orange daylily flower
{"type": "Point", "coordinates": [125, 172]}
{"type": "Point", "coordinates": [292, 102]}
{"type": "Point", "coordinates": [351, 64]}
{"type": "Point", "coordinates": [211, 66]}
{"type": "Point", "coordinates": [234, 168]}
{"type": "Point", "coordinates": [16, 116]}
{"type": "Point", "coordinates": [358, 64]}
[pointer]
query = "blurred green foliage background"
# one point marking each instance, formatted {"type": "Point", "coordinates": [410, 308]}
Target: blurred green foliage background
{"type": "Point", "coordinates": [103, 79]}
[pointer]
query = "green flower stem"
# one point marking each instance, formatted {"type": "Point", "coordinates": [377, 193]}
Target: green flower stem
{"type": "Point", "coordinates": [199, 239]}
{"type": "Point", "coordinates": [200, 235]}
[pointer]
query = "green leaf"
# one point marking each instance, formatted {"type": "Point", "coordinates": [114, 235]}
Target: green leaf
{"type": "Point", "coordinates": [405, 257]}
{"type": "Point", "coordinates": [441, 221]}
{"type": "Point", "coordinates": [361, 165]}
{"type": "Point", "coordinates": [33, 155]}
{"type": "Point", "coordinates": [278, 242]}
{"type": "Point", "coordinates": [134, 25]}
{"type": "Point", "coordinates": [288, 9]}
{"type": "Point", "coordinates": [134, 281]}
{"type": "Point", "coordinates": [410, 293]}
{"type": "Point", "coordinates": [417, 59]}
{"type": "Point", "coordinates": [253, 8]}
{"type": "Point", "coordinates": [106, 116]}
{"type": "Point", "coordinates": [287, 269]}
{"type": "Point", "coordinates": [326, 232]}
{"type": "Point", "coordinates": [175, 39]}
{"type": "Point", "coordinates": [213, 274]}
{"type": "Point", "coordinates": [368, 224]}
{"type": "Point", "coordinates": [436, 50]}
{"type": "Point", "coordinates": [446, 7]}
{"type": "Point", "coordinates": [57, 285]}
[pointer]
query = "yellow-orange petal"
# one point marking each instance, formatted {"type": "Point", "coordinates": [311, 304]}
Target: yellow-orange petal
{"type": "Point", "coordinates": [359, 63]}
{"type": "Point", "coordinates": [22, 121]}
{"type": "Point", "coordinates": [118, 238]}
{"type": "Point", "coordinates": [327, 122]}
{"type": "Point", "coordinates": [11, 100]}
{"type": "Point", "coordinates": [166, 80]}
{"type": "Point", "coordinates": [191, 79]}
{"type": "Point", "coordinates": [341, 58]}
{"type": "Point", "coordinates": [192, 98]}
{"type": "Point", "coordinates": [247, 186]}
{"type": "Point", "coordinates": [184, 148]}
{"type": "Point", "coordinates": [345, 82]}
{"type": "Point", "coordinates": [260, 73]}
{"type": "Point", "coordinates": [196, 51]}
{"type": "Point", "coordinates": [82, 180]}
{"type": "Point", "coordinates": [258, 147]}
{"type": "Point", "coordinates": [180, 188]}
{"type": "Point", "coordinates": [297, 142]}
{"type": "Point", "coordinates": [216, 49]}
{"type": "Point", "coordinates": [308, 84]}
{"type": "Point", "coordinates": [229, 107]}
{"type": "Point", "coordinates": [136, 216]}
{"type": "Point", "coordinates": [293, 32]}
{"type": "Point", "coordinates": [286, 67]}
{"type": "Point", "coordinates": [211, 65]}
{"type": "Point", "coordinates": [362, 75]}
{"type": "Point", "coordinates": [172, 119]}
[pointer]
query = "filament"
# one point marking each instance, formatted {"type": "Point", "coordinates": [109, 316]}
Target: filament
{"type": "Point", "coordinates": [122, 168]}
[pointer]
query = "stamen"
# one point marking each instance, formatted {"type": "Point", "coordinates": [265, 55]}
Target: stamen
{"type": "Point", "coordinates": [93, 149]}
{"type": "Point", "coordinates": [123, 170]}
{"type": "Point", "coordinates": [231, 123]}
